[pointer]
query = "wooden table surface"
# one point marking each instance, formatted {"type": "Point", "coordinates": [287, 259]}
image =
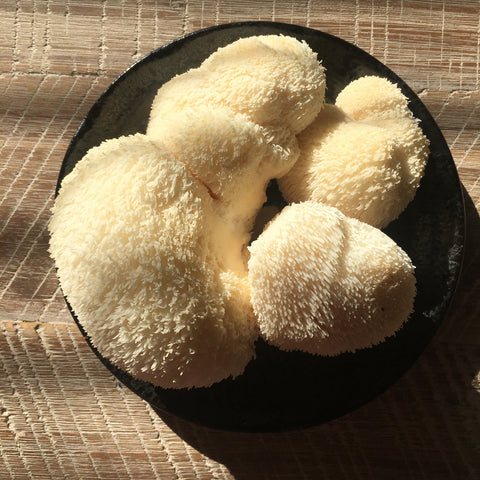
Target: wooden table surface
{"type": "Point", "coordinates": [63, 415]}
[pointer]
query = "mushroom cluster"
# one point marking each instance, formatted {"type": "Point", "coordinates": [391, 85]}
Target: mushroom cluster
{"type": "Point", "coordinates": [151, 232]}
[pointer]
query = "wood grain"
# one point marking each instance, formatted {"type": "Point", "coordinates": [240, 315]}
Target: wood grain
{"type": "Point", "coordinates": [62, 413]}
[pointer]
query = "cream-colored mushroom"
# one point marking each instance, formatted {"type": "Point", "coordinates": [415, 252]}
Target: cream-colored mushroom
{"type": "Point", "coordinates": [365, 155]}
{"type": "Point", "coordinates": [326, 284]}
{"type": "Point", "coordinates": [149, 232]}
{"type": "Point", "coordinates": [275, 80]}
{"type": "Point", "coordinates": [353, 166]}
{"type": "Point", "coordinates": [133, 238]}
{"type": "Point", "coordinates": [380, 102]}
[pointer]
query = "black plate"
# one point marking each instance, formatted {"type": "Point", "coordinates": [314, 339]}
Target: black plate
{"type": "Point", "coordinates": [281, 390]}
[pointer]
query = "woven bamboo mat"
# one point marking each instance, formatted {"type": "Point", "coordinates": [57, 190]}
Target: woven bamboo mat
{"type": "Point", "coordinates": [63, 415]}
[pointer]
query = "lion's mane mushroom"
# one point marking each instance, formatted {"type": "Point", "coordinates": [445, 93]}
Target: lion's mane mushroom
{"type": "Point", "coordinates": [131, 235]}
{"type": "Point", "coordinates": [149, 233]}
{"type": "Point", "coordinates": [351, 165]}
{"type": "Point", "coordinates": [326, 284]}
{"type": "Point", "coordinates": [380, 102]}
{"type": "Point", "coordinates": [365, 155]}
{"type": "Point", "coordinates": [273, 79]}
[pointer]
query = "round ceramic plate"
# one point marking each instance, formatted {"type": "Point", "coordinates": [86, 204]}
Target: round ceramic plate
{"type": "Point", "coordinates": [288, 390]}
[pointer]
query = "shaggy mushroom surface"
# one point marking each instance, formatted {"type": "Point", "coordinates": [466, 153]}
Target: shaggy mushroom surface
{"type": "Point", "coordinates": [365, 155]}
{"type": "Point", "coordinates": [325, 283]}
{"type": "Point", "coordinates": [150, 233]}
{"type": "Point", "coordinates": [131, 235]}
{"type": "Point", "coordinates": [273, 79]}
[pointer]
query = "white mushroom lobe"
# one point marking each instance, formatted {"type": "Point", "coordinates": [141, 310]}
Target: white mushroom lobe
{"type": "Point", "coordinates": [365, 155]}
{"type": "Point", "coordinates": [272, 79]}
{"type": "Point", "coordinates": [131, 235]}
{"type": "Point", "coordinates": [325, 283]}
{"type": "Point", "coordinates": [380, 102]}
{"type": "Point", "coordinates": [353, 166]}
